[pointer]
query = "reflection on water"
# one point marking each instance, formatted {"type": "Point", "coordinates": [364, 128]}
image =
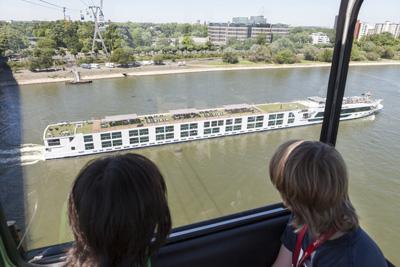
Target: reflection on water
{"type": "Point", "coordinates": [210, 178]}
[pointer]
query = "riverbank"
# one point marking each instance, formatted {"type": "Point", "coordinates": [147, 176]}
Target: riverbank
{"type": "Point", "coordinates": [26, 77]}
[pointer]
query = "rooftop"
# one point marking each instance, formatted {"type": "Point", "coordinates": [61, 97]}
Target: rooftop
{"type": "Point", "coordinates": [118, 122]}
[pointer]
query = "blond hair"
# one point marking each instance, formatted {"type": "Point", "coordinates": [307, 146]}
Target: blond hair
{"type": "Point", "coordinates": [312, 180]}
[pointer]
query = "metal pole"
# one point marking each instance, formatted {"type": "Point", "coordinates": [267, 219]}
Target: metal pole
{"type": "Point", "coordinates": [340, 64]}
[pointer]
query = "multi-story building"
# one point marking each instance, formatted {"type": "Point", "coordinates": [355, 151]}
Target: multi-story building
{"type": "Point", "coordinates": [257, 20]}
{"type": "Point", "coordinates": [251, 20]}
{"type": "Point", "coordinates": [319, 38]}
{"type": "Point", "coordinates": [365, 30]}
{"type": "Point", "coordinates": [357, 29]}
{"type": "Point", "coordinates": [262, 29]}
{"type": "Point", "coordinates": [240, 20]}
{"type": "Point", "coordinates": [220, 33]}
{"type": "Point", "coordinates": [217, 32]}
{"type": "Point", "coordinates": [378, 28]}
{"type": "Point", "coordinates": [280, 29]}
{"type": "Point", "coordinates": [391, 27]}
{"type": "Point", "coordinates": [237, 31]}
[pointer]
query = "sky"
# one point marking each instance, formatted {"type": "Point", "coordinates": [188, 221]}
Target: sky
{"type": "Point", "coordinates": [293, 12]}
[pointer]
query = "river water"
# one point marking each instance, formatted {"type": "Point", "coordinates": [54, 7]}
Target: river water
{"type": "Point", "coordinates": [208, 178]}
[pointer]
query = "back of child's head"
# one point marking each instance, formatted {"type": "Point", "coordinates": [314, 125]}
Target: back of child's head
{"type": "Point", "coordinates": [312, 179]}
{"type": "Point", "coordinates": [118, 212]}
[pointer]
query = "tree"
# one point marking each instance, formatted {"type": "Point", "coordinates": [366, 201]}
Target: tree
{"type": "Point", "coordinates": [300, 37]}
{"type": "Point", "coordinates": [260, 53]}
{"type": "Point", "coordinates": [372, 56]}
{"type": "Point", "coordinates": [187, 41]}
{"type": "Point", "coordinates": [285, 56]}
{"type": "Point", "coordinates": [310, 53]}
{"type": "Point", "coordinates": [357, 54]}
{"type": "Point", "coordinates": [15, 66]}
{"type": "Point", "coordinates": [46, 43]}
{"type": "Point", "coordinates": [368, 46]}
{"type": "Point", "coordinates": [73, 52]}
{"type": "Point", "coordinates": [11, 39]}
{"type": "Point", "coordinates": [230, 57]}
{"type": "Point", "coordinates": [42, 59]}
{"type": "Point", "coordinates": [163, 41]}
{"type": "Point", "coordinates": [261, 39]}
{"type": "Point", "coordinates": [113, 38]}
{"type": "Point", "coordinates": [122, 56]}
{"type": "Point", "coordinates": [158, 60]}
{"type": "Point", "coordinates": [325, 55]}
{"type": "Point", "coordinates": [383, 39]}
{"type": "Point", "coordinates": [388, 53]}
{"type": "Point", "coordinates": [282, 44]}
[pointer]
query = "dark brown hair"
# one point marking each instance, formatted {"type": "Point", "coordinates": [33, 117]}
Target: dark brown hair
{"type": "Point", "coordinates": [118, 212]}
{"type": "Point", "coordinates": [312, 180]}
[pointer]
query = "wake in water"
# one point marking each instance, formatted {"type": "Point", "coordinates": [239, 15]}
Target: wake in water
{"type": "Point", "coordinates": [26, 154]}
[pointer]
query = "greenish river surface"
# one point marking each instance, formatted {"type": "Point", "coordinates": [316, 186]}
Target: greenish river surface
{"type": "Point", "coordinates": [209, 178]}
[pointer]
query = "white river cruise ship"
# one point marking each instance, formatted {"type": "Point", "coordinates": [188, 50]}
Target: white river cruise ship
{"type": "Point", "coordinates": [114, 133]}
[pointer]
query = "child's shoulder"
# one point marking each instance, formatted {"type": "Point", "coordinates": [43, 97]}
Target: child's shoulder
{"type": "Point", "coordinates": [355, 248]}
{"type": "Point", "coordinates": [365, 251]}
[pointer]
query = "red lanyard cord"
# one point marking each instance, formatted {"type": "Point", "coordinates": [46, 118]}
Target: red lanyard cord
{"type": "Point", "coordinates": [311, 248]}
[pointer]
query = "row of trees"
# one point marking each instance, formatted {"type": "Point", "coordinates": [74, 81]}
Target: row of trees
{"type": "Point", "coordinates": [130, 41]}
{"type": "Point", "coordinates": [76, 36]}
{"type": "Point", "coordinates": [123, 40]}
{"type": "Point", "coordinates": [264, 54]}
{"type": "Point", "coordinates": [297, 47]}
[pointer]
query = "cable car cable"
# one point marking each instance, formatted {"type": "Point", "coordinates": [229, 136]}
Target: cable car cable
{"type": "Point", "coordinates": [37, 4]}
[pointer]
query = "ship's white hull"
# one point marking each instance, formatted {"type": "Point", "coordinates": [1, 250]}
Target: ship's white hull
{"type": "Point", "coordinates": [77, 145]}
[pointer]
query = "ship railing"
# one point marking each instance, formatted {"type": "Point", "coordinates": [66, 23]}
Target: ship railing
{"type": "Point", "coordinates": [357, 100]}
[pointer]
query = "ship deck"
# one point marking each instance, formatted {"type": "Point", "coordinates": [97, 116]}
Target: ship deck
{"type": "Point", "coordinates": [177, 116]}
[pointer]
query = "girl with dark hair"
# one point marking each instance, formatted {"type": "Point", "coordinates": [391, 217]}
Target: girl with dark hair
{"type": "Point", "coordinates": [118, 212]}
{"type": "Point", "coordinates": [323, 231]}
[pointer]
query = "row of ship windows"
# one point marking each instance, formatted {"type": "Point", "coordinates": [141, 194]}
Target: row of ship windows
{"type": "Point", "coordinates": [189, 133]}
{"type": "Point", "coordinates": [191, 126]}
{"type": "Point", "coordinates": [134, 140]}
{"type": "Point", "coordinates": [137, 140]}
{"type": "Point", "coordinates": [168, 136]}
{"type": "Point", "coordinates": [184, 127]}
{"type": "Point", "coordinates": [274, 119]}
{"type": "Point", "coordinates": [166, 129]}
{"type": "Point", "coordinates": [164, 136]}
{"type": "Point", "coordinates": [347, 110]}
{"type": "Point", "coordinates": [106, 136]}
{"type": "Point", "coordinates": [53, 142]}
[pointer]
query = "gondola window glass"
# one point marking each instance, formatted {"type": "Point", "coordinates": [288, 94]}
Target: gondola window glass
{"type": "Point", "coordinates": [210, 124]}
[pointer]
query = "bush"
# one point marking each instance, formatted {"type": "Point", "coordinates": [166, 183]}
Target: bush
{"type": "Point", "coordinates": [325, 55]}
{"type": "Point", "coordinates": [260, 54]}
{"type": "Point", "coordinates": [357, 54]}
{"type": "Point", "coordinates": [158, 60]}
{"type": "Point", "coordinates": [230, 57]}
{"type": "Point", "coordinates": [43, 59]}
{"type": "Point", "coordinates": [388, 53]}
{"type": "Point", "coordinates": [285, 56]}
{"type": "Point", "coordinates": [122, 56]}
{"type": "Point", "coordinates": [311, 53]}
{"type": "Point", "coordinates": [368, 46]}
{"type": "Point", "coordinates": [397, 56]}
{"type": "Point", "coordinates": [372, 56]}
{"type": "Point", "coordinates": [15, 66]}
{"type": "Point", "coordinates": [282, 44]}
{"type": "Point", "coordinates": [86, 60]}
